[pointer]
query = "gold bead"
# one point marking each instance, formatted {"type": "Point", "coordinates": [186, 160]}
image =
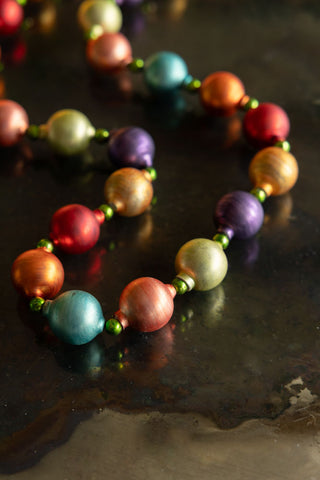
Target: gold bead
{"type": "Point", "coordinates": [104, 13]}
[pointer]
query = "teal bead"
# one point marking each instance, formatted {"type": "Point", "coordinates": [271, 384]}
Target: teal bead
{"type": "Point", "coordinates": [164, 72]}
{"type": "Point", "coordinates": [75, 317]}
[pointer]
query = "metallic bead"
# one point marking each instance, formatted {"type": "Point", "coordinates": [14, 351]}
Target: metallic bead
{"type": "Point", "coordinates": [110, 52]}
{"type": "Point", "coordinates": [102, 135]}
{"type": "Point", "coordinates": [69, 132]}
{"type": "Point", "coordinates": [75, 317]}
{"type": "Point", "coordinates": [152, 172]}
{"type": "Point", "coordinates": [131, 147]}
{"type": "Point", "coordinates": [202, 260]}
{"type": "Point", "coordinates": [104, 13]}
{"type": "Point", "coordinates": [33, 132]}
{"type": "Point", "coordinates": [129, 191]}
{"type": "Point", "coordinates": [180, 286]}
{"type": "Point", "coordinates": [284, 144]}
{"type": "Point", "coordinates": [191, 84]}
{"type": "Point", "coordinates": [107, 211]}
{"type": "Point", "coordinates": [164, 72]}
{"type": "Point", "coordinates": [136, 65]}
{"type": "Point", "coordinates": [13, 122]}
{"type": "Point", "coordinates": [221, 93]}
{"type": "Point", "coordinates": [274, 170]}
{"type": "Point", "coordinates": [113, 326]}
{"type": "Point", "coordinates": [11, 17]}
{"type": "Point", "coordinates": [259, 193]}
{"type": "Point", "coordinates": [247, 103]}
{"type": "Point", "coordinates": [223, 239]}
{"type": "Point", "coordinates": [45, 243]}
{"type": "Point", "coordinates": [37, 273]}
{"type": "Point", "coordinates": [36, 304]}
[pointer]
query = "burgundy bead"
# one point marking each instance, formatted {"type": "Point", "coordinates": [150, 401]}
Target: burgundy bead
{"type": "Point", "coordinates": [74, 228]}
{"type": "Point", "coordinates": [11, 17]}
{"type": "Point", "coordinates": [266, 125]}
{"type": "Point", "coordinates": [131, 147]}
{"type": "Point", "coordinates": [239, 214]}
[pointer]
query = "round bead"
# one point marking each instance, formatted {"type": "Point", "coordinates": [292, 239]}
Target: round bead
{"type": "Point", "coordinates": [45, 243]}
{"type": "Point", "coordinates": [180, 286]}
{"type": "Point", "coordinates": [131, 147]}
{"type": "Point", "coordinates": [136, 65]}
{"type": "Point", "coordinates": [146, 304]}
{"type": "Point", "coordinates": [75, 317]}
{"type": "Point", "coordinates": [11, 17]}
{"type": "Point", "coordinates": [113, 326]}
{"type": "Point", "coordinates": [13, 123]}
{"type": "Point", "coordinates": [69, 132]}
{"type": "Point", "coordinates": [110, 52]}
{"type": "Point", "coordinates": [266, 125]}
{"type": "Point", "coordinates": [37, 273]}
{"type": "Point", "coordinates": [129, 190]}
{"type": "Point", "coordinates": [223, 239]}
{"type": "Point", "coordinates": [74, 228]}
{"type": "Point", "coordinates": [274, 170]}
{"type": "Point", "coordinates": [164, 72]}
{"type": "Point", "coordinates": [204, 261]}
{"type": "Point", "coordinates": [36, 304]}
{"type": "Point", "coordinates": [104, 13]}
{"type": "Point", "coordinates": [221, 93]}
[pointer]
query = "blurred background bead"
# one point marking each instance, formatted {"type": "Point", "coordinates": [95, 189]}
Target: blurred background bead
{"type": "Point", "coordinates": [11, 17]}
{"type": "Point", "coordinates": [111, 52]}
{"type": "Point", "coordinates": [274, 170]}
{"type": "Point", "coordinates": [239, 214]}
{"type": "Point", "coordinates": [164, 72]}
{"type": "Point", "coordinates": [37, 273]}
{"type": "Point", "coordinates": [221, 93]}
{"type": "Point", "coordinates": [74, 229]}
{"type": "Point", "coordinates": [129, 191]}
{"type": "Point", "coordinates": [131, 147]}
{"type": "Point", "coordinates": [204, 261]}
{"type": "Point", "coordinates": [69, 132]}
{"type": "Point", "coordinates": [75, 317]}
{"type": "Point", "coordinates": [146, 304]}
{"type": "Point", "coordinates": [13, 123]}
{"type": "Point", "coordinates": [266, 125]}
{"type": "Point", "coordinates": [100, 12]}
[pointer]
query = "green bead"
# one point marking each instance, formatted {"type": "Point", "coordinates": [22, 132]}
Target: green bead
{"type": "Point", "coordinates": [33, 132]}
{"type": "Point", "coordinates": [47, 244]}
{"type": "Point", "coordinates": [36, 304]}
{"type": "Point", "coordinates": [153, 173]}
{"type": "Point", "coordinates": [22, 2]}
{"type": "Point", "coordinates": [192, 84]}
{"type": "Point", "coordinates": [1, 67]}
{"type": "Point", "coordinates": [251, 103]}
{"type": "Point", "coordinates": [259, 193]}
{"type": "Point", "coordinates": [284, 145]}
{"type": "Point", "coordinates": [95, 32]}
{"type": "Point", "coordinates": [136, 65]}
{"type": "Point", "coordinates": [107, 210]}
{"type": "Point", "coordinates": [113, 326]}
{"type": "Point", "coordinates": [102, 135]}
{"type": "Point", "coordinates": [223, 239]}
{"type": "Point", "coordinates": [180, 286]}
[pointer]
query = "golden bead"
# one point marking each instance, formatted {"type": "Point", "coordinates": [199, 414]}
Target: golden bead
{"type": "Point", "coordinates": [104, 13]}
{"type": "Point", "coordinates": [274, 170]}
{"type": "Point", "coordinates": [221, 93]}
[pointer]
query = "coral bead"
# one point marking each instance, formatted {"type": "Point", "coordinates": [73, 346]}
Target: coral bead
{"type": "Point", "coordinates": [13, 123]}
{"type": "Point", "coordinates": [131, 147]}
{"type": "Point", "coordinates": [110, 52]}
{"type": "Point", "coordinates": [75, 317]}
{"type": "Point", "coordinates": [104, 13]}
{"type": "Point", "coordinates": [273, 170]}
{"type": "Point", "coordinates": [164, 72]}
{"type": "Point", "coordinates": [221, 93]}
{"type": "Point", "coordinates": [266, 125]}
{"type": "Point", "coordinates": [11, 17]}
{"type": "Point", "coordinates": [129, 190]}
{"type": "Point", "coordinates": [74, 228]}
{"type": "Point", "coordinates": [146, 304]}
{"type": "Point", "coordinates": [37, 273]}
{"type": "Point", "coordinates": [239, 214]}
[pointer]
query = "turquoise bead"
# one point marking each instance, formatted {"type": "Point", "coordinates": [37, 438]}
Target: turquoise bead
{"type": "Point", "coordinates": [164, 72]}
{"type": "Point", "coordinates": [75, 317]}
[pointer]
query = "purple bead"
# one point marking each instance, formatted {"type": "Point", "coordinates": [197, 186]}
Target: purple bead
{"type": "Point", "coordinates": [131, 147]}
{"type": "Point", "coordinates": [239, 214]}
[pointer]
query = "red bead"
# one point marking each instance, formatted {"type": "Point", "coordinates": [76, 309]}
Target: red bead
{"type": "Point", "coordinates": [11, 17]}
{"type": "Point", "coordinates": [13, 123]}
{"type": "Point", "coordinates": [74, 228]}
{"type": "Point", "coordinates": [146, 304]}
{"type": "Point", "coordinates": [266, 125]}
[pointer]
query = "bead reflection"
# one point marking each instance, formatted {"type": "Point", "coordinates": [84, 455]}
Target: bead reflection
{"type": "Point", "coordinates": [89, 359]}
{"type": "Point", "coordinates": [85, 270]}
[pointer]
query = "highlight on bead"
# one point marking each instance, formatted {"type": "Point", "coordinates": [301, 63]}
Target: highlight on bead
{"type": "Point", "coordinates": [14, 122]}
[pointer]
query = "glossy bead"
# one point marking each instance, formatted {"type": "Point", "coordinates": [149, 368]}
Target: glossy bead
{"type": "Point", "coordinates": [239, 214]}
{"type": "Point", "coordinates": [164, 72]}
{"type": "Point", "coordinates": [131, 147]}
{"type": "Point", "coordinates": [11, 17]}
{"type": "Point", "coordinates": [129, 190]}
{"type": "Point", "coordinates": [36, 304]}
{"type": "Point", "coordinates": [274, 170]}
{"type": "Point", "coordinates": [37, 273]}
{"type": "Point", "coordinates": [69, 132]}
{"type": "Point", "coordinates": [113, 326]}
{"type": "Point", "coordinates": [74, 228]}
{"type": "Point", "coordinates": [13, 123]}
{"type": "Point", "coordinates": [110, 52]}
{"type": "Point", "coordinates": [146, 304]}
{"type": "Point", "coordinates": [223, 239]}
{"type": "Point", "coordinates": [221, 93]}
{"type": "Point", "coordinates": [75, 317]}
{"type": "Point", "coordinates": [180, 286]}
{"type": "Point", "coordinates": [104, 13]}
{"type": "Point", "coordinates": [136, 65]}
{"type": "Point", "coordinates": [204, 261]}
{"type": "Point", "coordinates": [266, 125]}
{"type": "Point", "coordinates": [45, 243]}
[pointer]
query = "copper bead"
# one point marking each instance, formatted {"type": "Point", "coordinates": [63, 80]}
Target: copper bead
{"type": "Point", "coordinates": [37, 273]}
{"type": "Point", "coordinates": [110, 52]}
{"type": "Point", "coordinates": [13, 123]}
{"type": "Point", "coordinates": [221, 93]}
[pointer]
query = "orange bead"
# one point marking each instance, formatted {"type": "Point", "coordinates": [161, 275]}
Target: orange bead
{"type": "Point", "coordinates": [221, 93]}
{"type": "Point", "coordinates": [37, 273]}
{"type": "Point", "coordinates": [274, 170]}
{"type": "Point", "coordinates": [110, 52]}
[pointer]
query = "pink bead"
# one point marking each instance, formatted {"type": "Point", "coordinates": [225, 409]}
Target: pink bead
{"type": "Point", "coordinates": [11, 17]}
{"type": "Point", "coordinates": [13, 123]}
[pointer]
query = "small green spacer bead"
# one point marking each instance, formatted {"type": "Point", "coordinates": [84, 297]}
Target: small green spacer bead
{"type": "Point", "coordinates": [259, 193]}
{"type": "Point", "coordinates": [107, 210]}
{"type": "Point", "coordinates": [113, 326]}
{"type": "Point", "coordinates": [192, 84]}
{"type": "Point", "coordinates": [223, 239]}
{"type": "Point", "coordinates": [102, 135]}
{"type": "Point", "coordinates": [251, 104]}
{"type": "Point", "coordinates": [45, 243]}
{"type": "Point", "coordinates": [136, 65]}
{"type": "Point", "coordinates": [284, 145]}
{"type": "Point", "coordinates": [22, 2]}
{"type": "Point", "coordinates": [36, 304]}
{"type": "Point", "coordinates": [153, 173]}
{"type": "Point", "coordinates": [1, 67]}
{"type": "Point", "coordinates": [95, 32]}
{"type": "Point", "coordinates": [180, 286]}
{"type": "Point", "coordinates": [33, 132]}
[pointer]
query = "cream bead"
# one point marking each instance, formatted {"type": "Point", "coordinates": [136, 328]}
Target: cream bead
{"type": "Point", "coordinates": [102, 13]}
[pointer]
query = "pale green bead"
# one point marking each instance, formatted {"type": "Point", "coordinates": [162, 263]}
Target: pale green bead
{"type": "Point", "coordinates": [204, 261]}
{"type": "Point", "coordinates": [69, 132]}
{"type": "Point", "coordinates": [103, 13]}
